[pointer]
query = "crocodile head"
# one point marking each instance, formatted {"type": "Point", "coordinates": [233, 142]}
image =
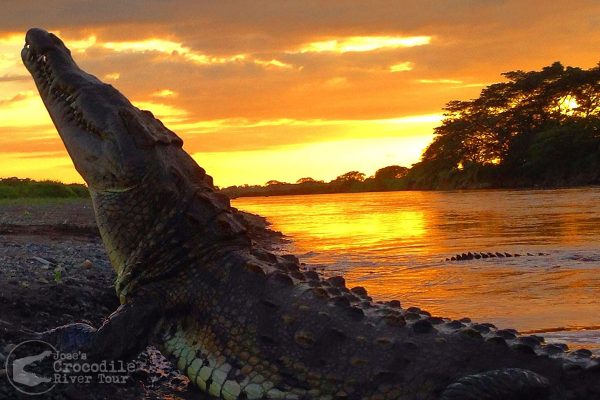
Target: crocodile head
{"type": "Point", "coordinates": [112, 143]}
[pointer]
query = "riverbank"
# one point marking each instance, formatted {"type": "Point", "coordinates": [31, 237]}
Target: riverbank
{"type": "Point", "coordinates": [54, 271]}
{"type": "Point", "coordinates": [290, 189]}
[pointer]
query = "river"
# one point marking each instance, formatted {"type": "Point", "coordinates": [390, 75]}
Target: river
{"type": "Point", "coordinates": [394, 244]}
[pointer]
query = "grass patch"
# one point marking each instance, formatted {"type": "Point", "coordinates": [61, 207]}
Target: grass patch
{"type": "Point", "coordinates": [16, 188]}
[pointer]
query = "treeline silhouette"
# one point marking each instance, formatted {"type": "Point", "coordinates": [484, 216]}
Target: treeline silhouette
{"type": "Point", "coordinates": [537, 129]}
{"type": "Point", "coordinates": [385, 179]}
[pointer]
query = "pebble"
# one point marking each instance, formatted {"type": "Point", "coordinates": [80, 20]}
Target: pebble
{"type": "Point", "coordinates": [87, 264]}
{"type": "Point", "coordinates": [41, 260]}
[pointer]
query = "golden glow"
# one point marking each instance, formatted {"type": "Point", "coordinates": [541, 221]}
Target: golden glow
{"type": "Point", "coordinates": [153, 44]}
{"type": "Point", "coordinates": [456, 83]}
{"type": "Point", "coordinates": [171, 48]}
{"type": "Point", "coordinates": [12, 39]}
{"type": "Point", "coordinates": [10, 50]}
{"type": "Point", "coordinates": [386, 127]}
{"type": "Point", "coordinates": [364, 43]}
{"type": "Point", "coordinates": [320, 160]}
{"type": "Point", "coordinates": [54, 165]}
{"type": "Point", "coordinates": [452, 81]}
{"type": "Point", "coordinates": [279, 103]}
{"type": "Point", "coordinates": [25, 109]}
{"type": "Point", "coordinates": [82, 45]}
{"type": "Point", "coordinates": [273, 63]}
{"type": "Point", "coordinates": [402, 67]}
{"type": "Point", "coordinates": [174, 48]}
{"type": "Point", "coordinates": [165, 112]}
{"type": "Point", "coordinates": [165, 93]}
{"type": "Point", "coordinates": [255, 160]}
{"type": "Point", "coordinates": [567, 105]}
{"type": "Point", "coordinates": [114, 76]}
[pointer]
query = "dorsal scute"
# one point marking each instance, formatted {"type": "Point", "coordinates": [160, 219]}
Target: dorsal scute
{"type": "Point", "coordinates": [147, 131]}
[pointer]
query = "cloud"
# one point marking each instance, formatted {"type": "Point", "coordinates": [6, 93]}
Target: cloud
{"type": "Point", "coordinates": [164, 93]}
{"type": "Point", "coordinates": [24, 109]}
{"type": "Point", "coordinates": [30, 140]}
{"type": "Point", "coordinates": [14, 78]}
{"type": "Point", "coordinates": [171, 48]}
{"type": "Point", "coordinates": [363, 43]}
{"type": "Point", "coordinates": [273, 63]}
{"type": "Point", "coordinates": [443, 81]}
{"type": "Point", "coordinates": [16, 98]}
{"type": "Point", "coordinates": [81, 45]}
{"type": "Point", "coordinates": [112, 76]}
{"type": "Point", "coordinates": [402, 67]}
{"type": "Point", "coordinates": [244, 135]}
{"type": "Point", "coordinates": [167, 113]}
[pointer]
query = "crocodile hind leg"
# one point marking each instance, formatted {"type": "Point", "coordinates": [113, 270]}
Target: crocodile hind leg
{"type": "Point", "coordinates": [501, 384]}
{"type": "Point", "coordinates": [125, 333]}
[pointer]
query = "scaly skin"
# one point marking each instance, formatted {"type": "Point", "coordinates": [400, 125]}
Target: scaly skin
{"type": "Point", "coordinates": [244, 323]}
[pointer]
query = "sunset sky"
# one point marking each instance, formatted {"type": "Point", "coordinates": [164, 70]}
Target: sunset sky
{"type": "Point", "coordinates": [281, 89]}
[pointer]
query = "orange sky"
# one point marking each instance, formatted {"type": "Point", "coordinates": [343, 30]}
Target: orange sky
{"type": "Point", "coordinates": [272, 89]}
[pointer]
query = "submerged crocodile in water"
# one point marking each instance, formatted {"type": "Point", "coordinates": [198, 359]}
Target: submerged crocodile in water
{"type": "Point", "coordinates": [244, 323]}
{"type": "Point", "coordinates": [496, 254]}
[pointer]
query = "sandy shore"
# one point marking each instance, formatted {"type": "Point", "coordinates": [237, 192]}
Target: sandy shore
{"type": "Point", "coordinates": [54, 271]}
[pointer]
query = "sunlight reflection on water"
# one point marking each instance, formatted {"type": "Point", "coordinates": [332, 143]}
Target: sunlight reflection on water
{"type": "Point", "coordinates": [394, 243]}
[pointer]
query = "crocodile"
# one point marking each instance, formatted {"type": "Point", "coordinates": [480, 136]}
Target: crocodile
{"type": "Point", "coordinates": [240, 321]}
{"type": "Point", "coordinates": [496, 254]}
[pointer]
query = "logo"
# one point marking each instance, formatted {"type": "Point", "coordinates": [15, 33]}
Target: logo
{"type": "Point", "coordinates": [35, 367]}
{"type": "Point", "coordinates": [29, 367]}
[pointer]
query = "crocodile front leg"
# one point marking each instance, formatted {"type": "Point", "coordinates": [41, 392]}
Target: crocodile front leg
{"type": "Point", "coordinates": [125, 333]}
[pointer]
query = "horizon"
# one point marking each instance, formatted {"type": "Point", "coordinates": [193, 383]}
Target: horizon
{"type": "Point", "coordinates": [282, 92]}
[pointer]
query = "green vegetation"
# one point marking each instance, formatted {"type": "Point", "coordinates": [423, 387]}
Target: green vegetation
{"type": "Point", "coordinates": [14, 188]}
{"type": "Point", "coordinates": [537, 129]}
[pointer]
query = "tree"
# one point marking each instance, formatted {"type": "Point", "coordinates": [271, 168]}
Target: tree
{"type": "Point", "coordinates": [308, 180]}
{"type": "Point", "coordinates": [274, 182]}
{"type": "Point", "coordinates": [496, 131]}
{"type": "Point", "coordinates": [391, 172]}
{"type": "Point", "coordinates": [352, 176]}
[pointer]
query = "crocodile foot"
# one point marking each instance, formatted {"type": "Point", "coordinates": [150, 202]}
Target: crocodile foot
{"type": "Point", "coordinates": [125, 333]}
{"type": "Point", "coordinates": [69, 338]}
